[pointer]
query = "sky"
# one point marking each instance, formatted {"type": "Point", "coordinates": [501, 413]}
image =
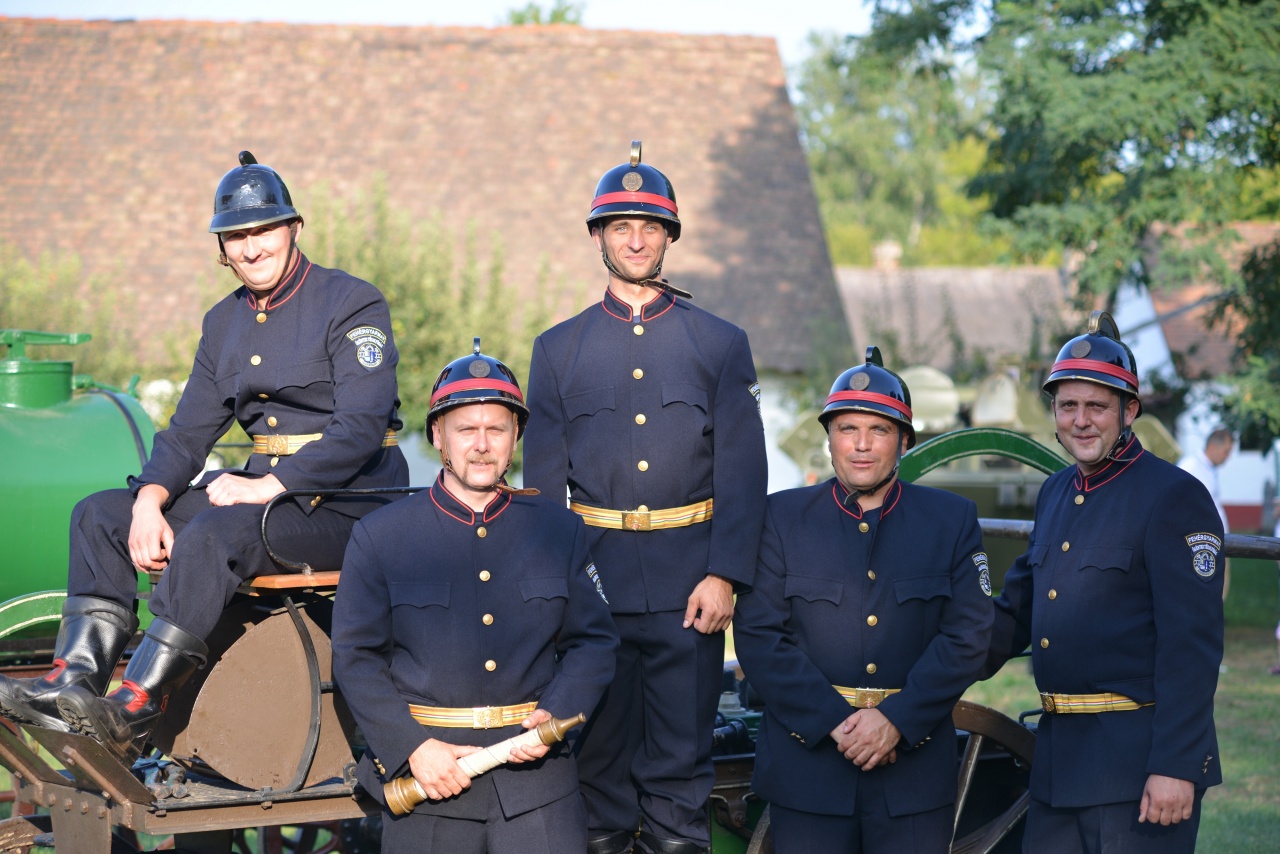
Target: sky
{"type": "Point", "coordinates": [788, 21]}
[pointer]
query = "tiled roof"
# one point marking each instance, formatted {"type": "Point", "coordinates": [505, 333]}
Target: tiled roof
{"type": "Point", "coordinates": [118, 132]}
{"type": "Point", "coordinates": [946, 316]}
{"type": "Point", "coordinates": [1202, 350]}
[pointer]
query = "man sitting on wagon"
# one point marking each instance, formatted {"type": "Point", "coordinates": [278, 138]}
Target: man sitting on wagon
{"type": "Point", "coordinates": [302, 358]}
{"type": "Point", "coordinates": [466, 612]}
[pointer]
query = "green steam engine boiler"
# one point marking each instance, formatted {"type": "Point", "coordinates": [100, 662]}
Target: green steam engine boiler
{"type": "Point", "coordinates": [62, 436]}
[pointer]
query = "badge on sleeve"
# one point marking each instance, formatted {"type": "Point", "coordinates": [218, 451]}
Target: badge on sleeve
{"type": "Point", "coordinates": [754, 391]}
{"type": "Point", "coordinates": [594, 575]}
{"type": "Point", "coordinates": [984, 574]}
{"type": "Point", "coordinates": [369, 341]}
{"type": "Point", "coordinates": [1204, 553]}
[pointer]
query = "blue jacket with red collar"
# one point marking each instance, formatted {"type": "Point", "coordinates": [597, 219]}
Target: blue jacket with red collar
{"type": "Point", "coordinates": [441, 606]}
{"type": "Point", "coordinates": [897, 597]}
{"type": "Point", "coordinates": [1120, 591]}
{"type": "Point", "coordinates": [661, 411]}
{"type": "Point", "coordinates": [317, 357]}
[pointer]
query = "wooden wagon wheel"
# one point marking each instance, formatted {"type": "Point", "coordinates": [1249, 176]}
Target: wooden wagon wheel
{"type": "Point", "coordinates": [986, 730]}
{"type": "Point", "coordinates": [989, 730]}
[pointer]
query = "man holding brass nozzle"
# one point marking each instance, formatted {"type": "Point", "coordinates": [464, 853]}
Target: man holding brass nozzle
{"type": "Point", "coordinates": [469, 613]}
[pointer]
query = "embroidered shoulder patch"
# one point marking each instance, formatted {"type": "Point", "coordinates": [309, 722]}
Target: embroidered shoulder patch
{"type": "Point", "coordinates": [594, 575]}
{"type": "Point", "coordinates": [369, 341]}
{"type": "Point", "coordinates": [984, 574]}
{"type": "Point", "coordinates": [754, 390]}
{"type": "Point", "coordinates": [1204, 553]}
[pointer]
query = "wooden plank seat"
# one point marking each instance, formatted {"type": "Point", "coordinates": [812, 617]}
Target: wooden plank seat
{"type": "Point", "coordinates": [265, 584]}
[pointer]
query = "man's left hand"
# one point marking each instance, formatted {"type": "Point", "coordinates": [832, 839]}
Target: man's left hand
{"type": "Point", "coordinates": [710, 605]}
{"type": "Point", "coordinates": [869, 739]}
{"type": "Point", "coordinates": [530, 752]}
{"type": "Point", "coordinates": [1166, 800]}
{"type": "Point", "coordinates": [228, 489]}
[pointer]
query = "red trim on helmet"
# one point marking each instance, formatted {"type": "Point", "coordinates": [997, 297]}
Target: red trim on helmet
{"type": "Point", "coordinates": [474, 385]}
{"type": "Point", "coordinates": [642, 198]}
{"type": "Point", "coordinates": [871, 397]}
{"type": "Point", "coordinates": [1094, 365]}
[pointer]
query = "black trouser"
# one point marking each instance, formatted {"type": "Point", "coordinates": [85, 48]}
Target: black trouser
{"type": "Point", "coordinates": [560, 827]}
{"type": "Point", "coordinates": [870, 830]}
{"type": "Point", "coordinates": [645, 756]}
{"type": "Point", "coordinates": [214, 550]}
{"type": "Point", "coordinates": [1106, 829]}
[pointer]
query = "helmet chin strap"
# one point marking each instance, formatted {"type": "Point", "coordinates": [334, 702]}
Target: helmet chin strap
{"type": "Point", "coordinates": [855, 494]}
{"type": "Point", "coordinates": [654, 279]}
{"type": "Point", "coordinates": [498, 485]}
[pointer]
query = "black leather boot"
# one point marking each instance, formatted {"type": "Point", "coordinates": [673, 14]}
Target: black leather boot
{"type": "Point", "coordinates": [650, 844]}
{"type": "Point", "coordinates": [618, 842]}
{"type": "Point", "coordinates": [122, 720]}
{"type": "Point", "coordinates": [91, 639]}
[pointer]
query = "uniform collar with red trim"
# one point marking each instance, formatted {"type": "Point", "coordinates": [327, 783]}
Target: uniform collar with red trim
{"type": "Point", "coordinates": [660, 304]}
{"type": "Point", "coordinates": [285, 291]}
{"type": "Point", "coordinates": [451, 506]}
{"type": "Point", "coordinates": [840, 495]}
{"type": "Point", "coordinates": [1113, 469]}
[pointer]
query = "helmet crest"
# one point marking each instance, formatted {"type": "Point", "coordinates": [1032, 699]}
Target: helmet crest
{"type": "Point", "coordinates": [635, 189]}
{"type": "Point", "coordinates": [873, 388]}
{"type": "Point", "coordinates": [250, 195]}
{"type": "Point", "coordinates": [1097, 356]}
{"type": "Point", "coordinates": [477, 378]}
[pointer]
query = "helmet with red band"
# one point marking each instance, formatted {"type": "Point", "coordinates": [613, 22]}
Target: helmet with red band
{"type": "Point", "coordinates": [1097, 356]}
{"type": "Point", "coordinates": [871, 387]}
{"type": "Point", "coordinates": [635, 189]}
{"type": "Point", "coordinates": [477, 378]}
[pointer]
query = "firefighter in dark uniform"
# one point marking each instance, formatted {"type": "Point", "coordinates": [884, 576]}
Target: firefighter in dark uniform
{"type": "Point", "coordinates": [466, 612]}
{"type": "Point", "coordinates": [873, 594]}
{"type": "Point", "coordinates": [1120, 596]}
{"type": "Point", "coordinates": [302, 358]}
{"type": "Point", "coordinates": [646, 409]}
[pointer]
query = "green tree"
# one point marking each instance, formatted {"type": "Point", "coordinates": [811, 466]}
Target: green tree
{"type": "Point", "coordinates": [1114, 117]}
{"type": "Point", "coordinates": [441, 294]}
{"type": "Point", "coordinates": [894, 132]}
{"type": "Point", "coordinates": [52, 294]}
{"type": "Point", "coordinates": [532, 14]}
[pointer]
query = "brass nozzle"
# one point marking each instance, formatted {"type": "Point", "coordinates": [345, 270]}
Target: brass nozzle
{"type": "Point", "coordinates": [404, 793]}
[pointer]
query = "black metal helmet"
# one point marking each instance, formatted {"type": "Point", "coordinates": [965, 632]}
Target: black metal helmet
{"type": "Point", "coordinates": [250, 195]}
{"type": "Point", "coordinates": [871, 387]}
{"type": "Point", "coordinates": [477, 378]}
{"type": "Point", "coordinates": [1097, 356]}
{"type": "Point", "coordinates": [634, 189]}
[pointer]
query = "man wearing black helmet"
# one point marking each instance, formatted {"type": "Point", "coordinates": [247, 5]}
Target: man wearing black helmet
{"type": "Point", "coordinates": [465, 613]}
{"type": "Point", "coordinates": [869, 617]}
{"type": "Point", "coordinates": [646, 409]}
{"type": "Point", "coordinates": [302, 358]}
{"type": "Point", "coordinates": [1120, 596]}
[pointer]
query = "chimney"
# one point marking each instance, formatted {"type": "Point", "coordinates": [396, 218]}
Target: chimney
{"type": "Point", "coordinates": [886, 255]}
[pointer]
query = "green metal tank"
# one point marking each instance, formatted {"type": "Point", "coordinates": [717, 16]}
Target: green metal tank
{"type": "Point", "coordinates": [62, 437]}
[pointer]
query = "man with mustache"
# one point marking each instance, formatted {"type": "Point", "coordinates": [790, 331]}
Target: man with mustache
{"type": "Point", "coordinates": [467, 613]}
{"type": "Point", "coordinates": [302, 358]}
{"type": "Point", "coordinates": [1120, 596]}
{"type": "Point", "coordinates": [646, 410]}
{"type": "Point", "coordinates": [869, 617]}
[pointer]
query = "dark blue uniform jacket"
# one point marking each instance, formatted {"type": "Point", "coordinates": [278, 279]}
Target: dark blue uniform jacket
{"type": "Point", "coordinates": [408, 627]}
{"type": "Point", "coordinates": [904, 604]}
{"type": "Point", "coordinates": [1120, 590]}
{"type": "Point", "coordinates": [663, 412]}
{"type": "Point", "coordinates": [318, 359]}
